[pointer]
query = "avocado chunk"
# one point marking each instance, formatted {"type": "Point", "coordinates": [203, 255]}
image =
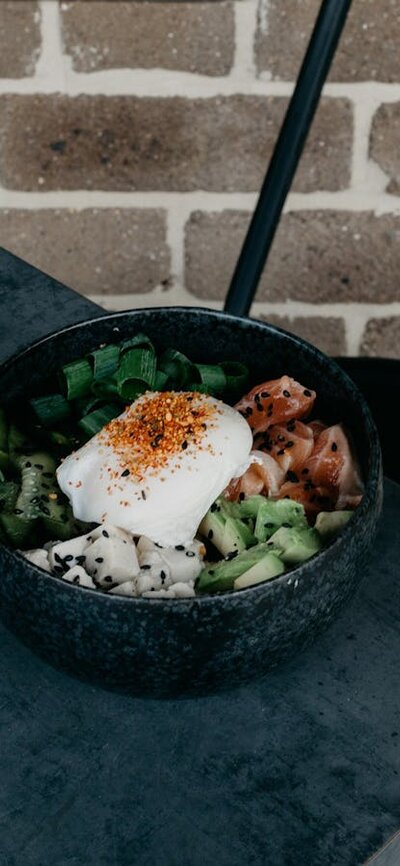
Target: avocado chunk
{"type": "Point", "coordinates": [329, 523]}
{"type": "Point", "coordinates": [295, 544]}
{"type": "Point", "coordinates": [220, 576]}
{"type": "Point", "coordinates": [272, 514]}
{"type": "Point", "coordinates": [226, 533]}
{"type": "Point", "coordinates": [269, 566]}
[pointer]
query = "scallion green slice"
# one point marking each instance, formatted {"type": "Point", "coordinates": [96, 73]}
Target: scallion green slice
{"type": "Point", "coordinates": [51, 409]}
{"type": "Point", "coordinates": [106, 388]}
{"type": "Point", "coordinates": [198, 386]}
{"type": "Point", "coordinates": [237, 375]}
{"type": "Point", "coordinates": [160, 380]}
{"type": "Point", "coordinates": [139, 341]}
{"type": "Point", "coordinates": [76, 378]}
{"type": "Point", "coordinates": [177, 367]}
{"type": "Point", "coordinates": [213, 377]}
{"type": "Point", "coordinates": [136, 373]}
{"type": "Point", "coordinates": [105, 362]}
{"type": "Point", "coordinates": [93, 423]}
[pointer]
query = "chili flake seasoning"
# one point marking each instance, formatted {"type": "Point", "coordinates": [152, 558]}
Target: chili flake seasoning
{"type": "Point", "coordinates": [158, 426]}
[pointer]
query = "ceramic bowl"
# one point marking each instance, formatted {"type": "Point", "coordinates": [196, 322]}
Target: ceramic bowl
{"type": "Point", "coordinates": [193, 646]}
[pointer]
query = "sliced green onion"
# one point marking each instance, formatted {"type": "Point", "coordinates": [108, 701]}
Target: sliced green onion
{"type": "Point", "coordinates": [139, 341]}
{"type": "Point", "coordinates": [105, 362]}
{"type": "Point", "coordinates": [237, 375]}
{"type": "Point", "coordinates": [106, 388]}
{"type": "Point", "coordinates": [3, 430]}
{"type": "Point", "coordinates": [212, 377]}
{"type": "Point", "coordinates": [136, 373]}
{"type": "Point", "coordinates": [177, 367]}
{"type": "Point", "coordinates": [51, 409]}
{"type": "Point", "coordinates": [93, 423]}
{"type": "Point", "coordinates": [76, 378]}
{"type": "Point", "coordinates": [198, 386]}
{"type": "Point", "coordinates": [88, 404]}
{"type": "Point", "coordinates": [160, 380]}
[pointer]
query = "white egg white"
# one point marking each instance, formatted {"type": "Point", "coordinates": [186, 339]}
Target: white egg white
{"type": "Point", "coordinates": [167, 504]}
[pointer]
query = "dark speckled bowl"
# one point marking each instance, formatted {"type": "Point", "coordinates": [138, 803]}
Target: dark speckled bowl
{"type": "Point", "coordinates": [180, 647]}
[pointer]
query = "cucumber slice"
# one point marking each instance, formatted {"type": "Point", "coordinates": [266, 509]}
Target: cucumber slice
{"type": "Point", "coordinates": [60, 523]}
{"type": "Point", "coordinates": [8, 496]}
{"type": "Point", "coordinates": [295, 544]}
{"type": "Point", "coordinates": [273, 514]}
{"type": "Point", "coordinates": [3, 430]}
{"type": "Point", "coordinates": [220, 576]}
{"type": "Point", "coordinates": [269, 566]}
{"type": "Point", "coordinates": [17, 529]}
{"type": "Point", "coordinates": [329, 523]}
{"type": "Point", "coordinates": [37, 482]}
{"type": "Point", "coordinates": [249, 507]}
{"type": "Point", "coordinates": [212, 526]}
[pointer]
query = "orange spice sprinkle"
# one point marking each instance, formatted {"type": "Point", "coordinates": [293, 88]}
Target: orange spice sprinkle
{"type": "Point", "coordinates": [157, 427]}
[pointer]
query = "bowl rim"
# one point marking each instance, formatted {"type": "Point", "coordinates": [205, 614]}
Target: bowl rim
{"type": "Point", "coordinates": [372, 482]}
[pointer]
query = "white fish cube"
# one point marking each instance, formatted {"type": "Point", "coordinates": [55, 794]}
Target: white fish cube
{"type": "Point", "coordinates": [37, 557]}
{"type": "Point", "coordinates": [111, 560]}
{"type": "Point", "coordinates": [78, 575]}
{"type": "Point", "coordinates": [68, 553]}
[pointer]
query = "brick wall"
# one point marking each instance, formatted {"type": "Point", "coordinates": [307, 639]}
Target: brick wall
{"type": "Point", "coordinates": [134, 137]}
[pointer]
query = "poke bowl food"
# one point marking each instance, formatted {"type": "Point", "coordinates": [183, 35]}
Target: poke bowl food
{"type": "Point", "coordinates": [162, 497]}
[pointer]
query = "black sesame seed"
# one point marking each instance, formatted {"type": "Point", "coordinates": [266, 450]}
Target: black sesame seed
{"type": "Point", "coordinates": [305, 471]}
{"type": "Point", "coordinates": [184, 445]}
{"type": "Point", "coordinates": [145, 567]}
{"type": "Point", "coordinates": [210, 534]}
{"type": "Point", "coordinates": [291, 476]}
{"type": "Point", "coordinates": [108, 578]}
{"type": "Point", "coordinates": [39, 466]}
{"type": "Point", "coordinates": [36, 499]}
{"type": "Point", "coordinates": [190, 553]}
{"type": "Point", "coordinates": [99, 559]}
{"type": "Point", "coordinates": [125, 473]}
{"type": "Point", "coordinates": [334, 446]}
{"type": "Point", "coordinates": [281, 451]}
{"type": "Point", "coordinates": [260, 407]}
{"type": "Point", "coordinates": [182, 546]}
{"type": "Point", "coordinates": [214, 507]}
{"type": "Point", "coordinates": [143, 494]}
{"type": "Point", "coordinates": [307, 393]}
{"type": "Point", "coordinates": [265, 394]}
{"type": "Point", "coordinates": [162, 575]}
{"type": "Point", "coordinates": [289, 444]}
{"type": "Point", "coordinates": [286, 393]}
{"type": "Point", "coordinates": [68, 558]}
{"type": "Point", "coordinates": [257, 398]}
{"type": "Point", "coordinates": [269, 525]}
{"type": "Point", "coordinates": [80, 559]}
{"type": "Point", "coordinates": [241, 497]}
{"type": "Point", "coordinates": [45, 510]}
{"type": "Point", "coordinates": [76, 579]}
{"type": "Point", "coordinates": [231, 555]}
{"type": "Point", "coordinates": [249, 411]}
{"type": "Point", "coordinates": [95, 572]}
{"type": "Point", "coordinates": [105, 533]}
{"type": "Point", "coordinates": [58, 558]}
{"type": "Point", "coordinates": [28, 464]}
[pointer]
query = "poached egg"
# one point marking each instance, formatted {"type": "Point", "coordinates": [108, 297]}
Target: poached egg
{"type": "Point", "coordinates": [156, 469]}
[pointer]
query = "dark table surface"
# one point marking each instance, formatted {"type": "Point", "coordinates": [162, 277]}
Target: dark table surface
{"type": "Point", "coordinates": [299, 769]}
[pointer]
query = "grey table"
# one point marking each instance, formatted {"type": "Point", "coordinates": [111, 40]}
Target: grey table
{"type": "Point", "coordinates": [299, 769]}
